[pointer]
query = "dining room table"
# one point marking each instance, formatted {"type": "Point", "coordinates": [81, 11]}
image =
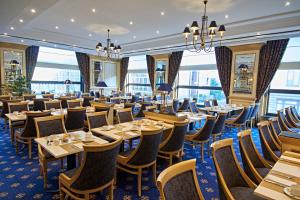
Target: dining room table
{"type": "Point", "coordinates": [218, 109]}
{"type": "Point", "coordinates": [68, 145]}
{"type": "Point", "coordinates": [283, 180]}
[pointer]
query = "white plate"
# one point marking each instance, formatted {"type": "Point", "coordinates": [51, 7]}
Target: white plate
{"type": "Point", "coordinates": [287, 191]}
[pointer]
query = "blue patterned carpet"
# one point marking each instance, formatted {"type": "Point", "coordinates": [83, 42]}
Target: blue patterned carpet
{"type": "Point", "coordinates": [20, 177]}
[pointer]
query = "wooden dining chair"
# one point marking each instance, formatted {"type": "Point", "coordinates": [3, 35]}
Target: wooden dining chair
{"type": "Point", "coordinates": [207, 103]}
{"type": "Point", "coordinates": [254, 114]}
{"type": "Point", "coordinates": [87, 101]}
{"type": "Point", "coordinates": [295, 113]}
{"type": "Point", "coordinates": [275, 129]}
{"type": "Point", "coordinates": [215, 102]}
{"type": "Point", "coordinates": [185, 105]}
{"type": "Point", "coordinates": [14, 125]}
{"type": "Point", "coordinates": [232, 180]}
{"type": "Point", "coordinates": [96, 173]}
{"type": "Point", "coordinates": [38, 104]}
{"type": "Point", "coordinates": [144, 156]}
{"type": "Point", "coordinates": [172, 145]}
{"type": "Point", "coordinates": [175, 104]}
{"type": "Point", "coordinates": [170, 182]}
{"type": "Point", "coordinates": [100, 107]}
{"type": "Point", "coordinates": [5, 110]}
{"type": "Point", "coordinates": [46, 126]}
{"type": "Point", "coordinates": [124, 115]}
{"type": "Point", "coordinates": [255, 166]}
{"type": "Point", "coordinates": [64, 100]}
{"type": "Point", "coordinates": [290, 118]}
{"type": "Point", "coordinates": [219, 126]}
{"type": "Point", "coordinates": [239, 121]}
{"type": "Point", "coordinates": [74, 103]}
{"type": "Point", "coordinates": [270, 149]}
{"type": "Point", "coordinates": [284, 124]}
{"type": "Point", "coordinates": [29, 97]}
{"type": "Point", "coordinates": [202, 136]}
{"type": "Point", "coordinates": [193, 107]}
{"type": "Point", "coordinates": [28, 134]}
{"type": "Point", "coordinates": [143, 108]}
{"type": "Point", "coordinates": [97, 119]}
{"type": "Point", "coordinates": [75, 119]}
{"type": "Point", "coordinates": [55, 104]}
{"type": "Point", "coordinates": [48, 96]}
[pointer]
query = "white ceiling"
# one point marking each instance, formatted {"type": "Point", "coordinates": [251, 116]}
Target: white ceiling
{"type": "Point", "coordinates": [246, 18]}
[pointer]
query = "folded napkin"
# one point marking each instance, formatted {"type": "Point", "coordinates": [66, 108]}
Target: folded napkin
{"type": "Point", "coordinates": [279, 180]}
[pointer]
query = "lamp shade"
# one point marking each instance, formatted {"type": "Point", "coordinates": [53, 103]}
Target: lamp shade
{"type": "Point", "coordinates": [165, 87]}
{"type": "Point", "coordinates": [14, 62]}
{"type": "Point", "coordinates": [68, 82]}
{"type": "Point", "coordinates": [222, 28]}
{"type": "Point", "coordinates": [213, 25]}
{"type": "Point", "coordinates": [101, 84]}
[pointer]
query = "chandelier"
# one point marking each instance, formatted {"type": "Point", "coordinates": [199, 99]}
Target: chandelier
{"type": "Point", "coordinates": [110, 50]}
{"type": "Point", "coordinates": [203, 34]}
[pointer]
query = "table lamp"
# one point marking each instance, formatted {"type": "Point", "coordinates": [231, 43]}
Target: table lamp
{"type": "Point", "coordinates": [165, 88]}
{"type": "Point", "coordinates": [68, 82]}
{"type": "Point", "coordinates": [102, 85]}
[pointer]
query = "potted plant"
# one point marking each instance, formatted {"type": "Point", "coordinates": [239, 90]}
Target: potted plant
{"type": "Point", "coordinates": [18, 87]}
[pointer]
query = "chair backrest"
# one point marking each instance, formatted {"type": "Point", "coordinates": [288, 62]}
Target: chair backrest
{"type": "Point", "coordinates": [97, 94]}
{"type": "Point", "coordinates": [215, 102]}
{"type": "Point", "coordinates": [284, 124]}
{"type": "Point", "coordinates": [29, 130]}
{"type": "Point", "coordinates": [169, 182]}
{"type": "Point", "coordinates": [205, 132]}
{"type": "Point", "coordinates": [255, 110]}
{"type": "Point", "coordinates": [175, 105]}
{"type": "Point", "coordinates": [289, 117]}
{"type": "Point", "coordinates": [250, 110]}
{"type": "Point", "coordinates": [55, 104]}
{"type": "Point", "coordinates": [207, 103]}
{"type": "Point", "coordinates": [220, 122]}
{"type": "Point", "coordinates": [241, 119]}
{"type": "Point", "coordinates": [174, 141]}
{"type": "Point", "coordinates": [268, 144]}
{"type": "Point", "coordinates": [98, 167]}
{"type": "Point", "coordinates": [92, 94]}
{"type": "Point", "coordinates": [38, 104]}
{"type": "Point", "coordinates": [75, 118]}
{"type": "Point", "coordinates": [295, 113]}
{"type": "Point", "coordinates": [74, 103]}
{"type": "Point", "coordinates": [185, 104]}
{"type": "Point", "coordinates": [64, 100]}
{"type": "Point", "coordinates": [100, 107]}
{"type": "Point", "coordinates": [18, 107]}
{"type": "Point", "coordinates": [87, 100]}
{"type": "Point", "coordinates": [146, 152]}
{"type": "Point", "coordinates": [115, 100]}
{"type": "Point", "coordinates": [275, 125]}
{"type": "Point", "coordinates": [229, 172]}
{"type": "Point", "coordinates": [50, 125]}
{"type": "Point", "coordinates": [193, 107]}
{"type": "Point", "coordinates": [29, 97]}
{"type": "Point", "coordinates": [250, 156]}
{"type": "Point", "coordinates": [5, 108]}
{"type": "Point", "coordinates": [48, 96]}
{"type": "Point", "coordinates": [97, 119]}
{"type": "Point", "coordinates": [124, 115]}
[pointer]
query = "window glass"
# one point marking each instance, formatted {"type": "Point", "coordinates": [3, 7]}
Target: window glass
{"type": "Point", "coordinates": [58, 56]}
{"type": "Point", "coordinates": [292, 51]}
{"type": "Point", "coordinates": [193, 58]}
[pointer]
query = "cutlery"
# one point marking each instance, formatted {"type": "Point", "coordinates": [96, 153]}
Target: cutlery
{"type": "Point", "coordinates": [276, 183]}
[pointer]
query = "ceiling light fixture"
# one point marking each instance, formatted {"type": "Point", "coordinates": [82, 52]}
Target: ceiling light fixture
{"type": "Point", "coordinates": [200, 35]}
{"type": "Point", "coordinates": [72, 20]}
{"type": "Point", "coordinates": [110, 50]}
{"type": "Point", "coordinates": [157, 32]}
{"type": "Point", "coordinates": [93, 10]}
{"type": "Point", "coordinates": [56, 27]}
{"type": "Point", "coordinates": [162, 13]}
{"type": "Point", "coordinates": [226, 16]}
{"type": "Point", "coordinates": [90, 35]}
{"type": "Point", "coordinates": [22, 41]}
{"type": "Point", "coordinates": [44, 40]}
{"type": "Point", "coordinates": [21, 20]}
{"type": "Point", "coordinates": [134, 37]}
{"type": "Point", "coordinates": [287, 3]}
{"type": "Point", "coordinates": [131, 22]}
{"type": "Point", "coordinates": [12, 28]}
{"type": "Point", "coordinates": [33, 10]}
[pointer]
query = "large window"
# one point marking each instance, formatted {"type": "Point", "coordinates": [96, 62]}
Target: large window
{"type": "Point", "coordinates": [285, 86]}
{"type": "Point", "coordinates": [198, 78]}
{"type": "Point", "coordinates": [54, 66]}
{"type": "Point", "coordinates": [137, 79]}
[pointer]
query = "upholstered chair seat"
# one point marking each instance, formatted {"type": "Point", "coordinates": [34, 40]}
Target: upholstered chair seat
{"type": "Point", "coordinates": [38, 104]}
{"type": "Point", "coordinates": [124, 115]}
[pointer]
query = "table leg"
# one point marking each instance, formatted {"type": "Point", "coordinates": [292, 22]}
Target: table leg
{"type": "Point", "coordinates": [71, 161]}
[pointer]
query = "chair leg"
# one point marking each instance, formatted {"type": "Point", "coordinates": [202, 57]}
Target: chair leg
{"type": "Point", "coordinates": [139, 182]}
{"type": "Point", "coordinates": [111, 192]}
{"type": "Point", "coordinates": [154, 172]}
{"type": "Point", "coordinates": [170, 159]}
{"type": "Point", "coordinates": [29, 148]}
{"type": "Point", "coordinates": [12, 135]}
{"type": "Point", "coordinates": [17, 147]}
{"type": "Point", "coordinates": [61, 193]}
{"type": "Point", "coordinates": [208, 150]}
{"type": "Point", "coordinates": [45, 173]}
{"type": "Point", "coordinates": [61, 163]}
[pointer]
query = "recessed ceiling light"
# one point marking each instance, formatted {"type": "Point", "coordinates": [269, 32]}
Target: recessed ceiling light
{"type": "Point", "coordinates": [226, 16]}
{"type": "Point", "coordinates": [22, 40]}
{"type": "Point", "coordinates": [134, 37]}
{"type": "Point", "coordinates": [187, 25]}
{"type": "Point", "coordinates": [90, 35]}
{"type": "Point", "coordinates": [4, 33]}
{"type": "Point", "coordinates": [55, 45]}
{"type": "Point", "coordinates": [258, 33]}
{"type": "Point", "coordinates": [157, 32]}
{"type": "Point", "coordinates": [21, 20]}
{"type": "Point", "coordinates": [33, 10]}
{"type": "Point", "coordinates": [56, 27]}
{"type": "Point", "coordinates": [287, 3]}
{"type": "Point", "coordinates": [44, 40]}
{"type": "Point", "coordinates": [93, 10]}
{"type": "Point", "coordinates": [162, 13]}
{"type": "Point", "coordinates": [72, 20]}
{"type": "Point", "coordinates": [131, 22]}
{"type": "Point", "coordinates": [116, 41]}
{"type": "Point", "coordinates": [12, 28]}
